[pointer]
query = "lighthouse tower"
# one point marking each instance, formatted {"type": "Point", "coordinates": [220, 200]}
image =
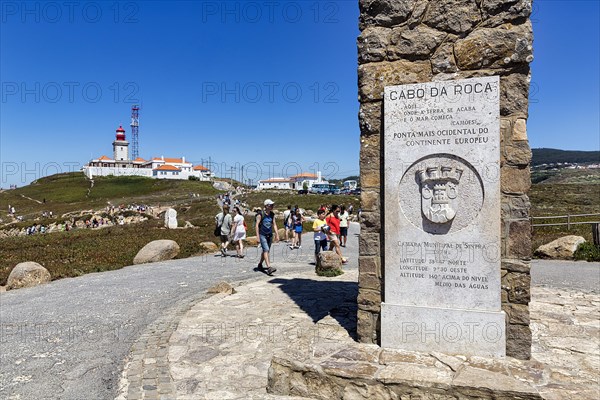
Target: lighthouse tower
{"type": "Point", "coordinates": [121, 146]}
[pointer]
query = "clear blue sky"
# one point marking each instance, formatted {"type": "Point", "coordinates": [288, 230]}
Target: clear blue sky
{"type": "Point", "coordinates": [239, 82]}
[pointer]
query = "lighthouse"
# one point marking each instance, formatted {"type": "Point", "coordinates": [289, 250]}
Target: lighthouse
{"type": "Point", "coordinates": [121, 146]}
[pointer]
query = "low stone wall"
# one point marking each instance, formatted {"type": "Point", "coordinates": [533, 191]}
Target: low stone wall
{"type": "Point", "coordinates": [367, 372]}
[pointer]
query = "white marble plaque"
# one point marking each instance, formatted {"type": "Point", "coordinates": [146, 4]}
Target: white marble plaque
{"type": "Point", "coordinates": [442, 214]}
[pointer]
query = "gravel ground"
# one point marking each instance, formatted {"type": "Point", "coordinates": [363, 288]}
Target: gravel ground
{"type": "Point", "coordinates": [68, 339]}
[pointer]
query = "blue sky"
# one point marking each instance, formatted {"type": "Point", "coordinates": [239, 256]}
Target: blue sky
{"type": "Point", "coordinates": [269, 85]}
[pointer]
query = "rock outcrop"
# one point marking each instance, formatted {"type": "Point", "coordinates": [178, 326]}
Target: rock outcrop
{"type": "Point", "coordinates": [561, 248]}
{"type": "Point", "coordinates": [157, 250]}
{"type": "Point", "coordinates": [209, 246]}
{"type": "Point", "coordinates": [27, 274]}
{"type": "Point", "coordinates": [329, 263]}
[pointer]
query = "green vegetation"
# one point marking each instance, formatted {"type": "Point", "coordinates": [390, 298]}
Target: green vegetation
{"type": "Point", "coordinates": [563, 199]}
{"type": "Point", "coordinates": [549, 156]}
{"type": "Point", "coordinates": [566, 176]}
{"type": "Point", "coordinates": [587, 251]}
{"type": "Point", "coordinates": [305, 201]}
{"type": "Point", "coordinates": [330, 273]}
{"type": "Point", "coordinates": [73, 191]}
{"type": "Point", "coordinates": [81, 251]}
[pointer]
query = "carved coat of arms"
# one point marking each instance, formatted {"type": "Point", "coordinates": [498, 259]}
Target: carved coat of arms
{"type": "Point", "coordinates": [438, 190]}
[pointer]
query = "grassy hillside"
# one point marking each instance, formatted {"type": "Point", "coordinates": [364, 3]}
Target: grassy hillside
{"type": "Point", "coordinates": [549, 156]}
{"type": "Point", "coordinates": [554, 199]}
{"type": "Point", "coordinates": [67, 192]}
{"type": "Point", "coordinates": [566, 176]}
{"type": "Point", "coordinates": [81, 251]}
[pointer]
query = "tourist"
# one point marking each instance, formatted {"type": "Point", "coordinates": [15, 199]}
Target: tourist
{"type": "Point", "coordinates": [265, 227]}
{"type": "Point", "coordinates": [333, 221]}
{"type": "Point", "coordinates": [238, 232]}
{"type": "Point", "coordinates": [320, 237]}
{"type": "Point", "coordinates": [287, 223]}
{"type": "Point", "coordinates": [223, 219]}
{"type": "Point", "coordinates": [297, 220]}
{"type": "Point", "coordinates": [344, 216]}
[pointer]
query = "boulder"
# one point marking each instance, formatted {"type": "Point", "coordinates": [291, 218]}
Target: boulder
{"type": "Point", "coordinates": [209, 246]}
{"type": "Point", "coordinates": [329, 263]}
{"type": "Point", "coordinates": [251, 241]}
{"type": "Point", "coordinates": [221, 287]}
{"type": "Point", "coordinates": [222, 185]}
{"type": "Point", "coordinates": [281, 232]}
{"type": "Point", "coordinates": [27, 274]}
{"type": "Point", "coordinates": [157, 250]}
{"type": "Point", "coordinates": [561, 248]}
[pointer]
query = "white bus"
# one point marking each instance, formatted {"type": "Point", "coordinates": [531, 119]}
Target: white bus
{"type": "Point", "coordinates": [350, 185]}
{"type": "Point", "coordinates": [322, 188]}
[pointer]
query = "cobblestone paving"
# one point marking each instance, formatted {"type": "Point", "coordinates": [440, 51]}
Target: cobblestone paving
{"type": "Point", "coordinates": [566, 340]}
{"type": "Point", "coordinates": [146, 373]}
{"type": "Point", "coordinates": [222, 346]}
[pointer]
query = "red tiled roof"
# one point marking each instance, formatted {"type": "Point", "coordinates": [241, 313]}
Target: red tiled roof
{"type": "Point", "coordinates": [139, 159]}
{"type": "Point", "coordinates": [167, 168]}
{"type": "Point", "coordinates": [169, 160]}
{"type": "Point", "coordinates": [276, 180]}
{"type": "Point", "coordinates": [200, 168]}
{"type": "Point", "coordinates": [304, 175]}
{"type": "Point", "coordinates": [104, 158]}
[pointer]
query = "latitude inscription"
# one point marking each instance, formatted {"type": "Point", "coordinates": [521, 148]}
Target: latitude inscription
{"type": "Point", "coordinates": [442, 190]}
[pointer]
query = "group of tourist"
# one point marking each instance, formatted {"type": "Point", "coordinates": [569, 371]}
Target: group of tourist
{"type": "Point", "coordinates": [330, 230]}
{"type": "Point", "coordinates": [231, 227]}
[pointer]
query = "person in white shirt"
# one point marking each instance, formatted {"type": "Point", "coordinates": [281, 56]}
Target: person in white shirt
{"type": "Point", "coordinates": [238, 232]}
{"type": "Point", "coordinates": [344, 216]}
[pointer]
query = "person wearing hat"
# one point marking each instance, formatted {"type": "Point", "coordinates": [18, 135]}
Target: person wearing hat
{"type": "Point", "coordinates": [265, 226]}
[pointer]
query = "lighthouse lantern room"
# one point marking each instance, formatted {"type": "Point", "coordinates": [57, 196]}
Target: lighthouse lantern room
{"type": "Point", "coordinates": [121, 146]}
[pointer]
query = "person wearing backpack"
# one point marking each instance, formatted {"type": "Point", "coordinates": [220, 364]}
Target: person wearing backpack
{"type": "Point", "coordinates": [287, 222]}
{"type": "Point", "coordinates": [265, 227]}
{"type": "Point", "coordinates": [223, 220]}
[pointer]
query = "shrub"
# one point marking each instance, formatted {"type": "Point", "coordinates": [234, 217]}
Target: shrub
{"type": "Point", "coordinates": [330, 273]}
{"type": "Point", "coordinates": [587, 251]}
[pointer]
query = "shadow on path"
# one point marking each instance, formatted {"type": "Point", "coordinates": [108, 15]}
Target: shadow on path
{"type": "Point", "coordinates": [321, 298]}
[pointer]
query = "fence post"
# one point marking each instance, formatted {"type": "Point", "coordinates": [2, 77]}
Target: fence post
{"type": "Point", "coordinates": [596, 234]}
{"type": "Point", "coordinates": [568, 222]}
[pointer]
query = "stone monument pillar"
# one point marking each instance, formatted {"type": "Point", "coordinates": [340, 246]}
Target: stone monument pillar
{"type": "Point", "coordinates": [440, 44]}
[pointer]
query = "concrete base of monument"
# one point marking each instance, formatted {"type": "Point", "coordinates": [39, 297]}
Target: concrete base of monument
{"type": "Point", "coordinates": [325, 362]}
{"type": "Point", "coordinates": [449, 331]}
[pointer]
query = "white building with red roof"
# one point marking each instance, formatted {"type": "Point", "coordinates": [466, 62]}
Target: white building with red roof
{"type": "Point", "coordinates": [158, 167]}
{"type": "Point", "coordinates": [295, 182]}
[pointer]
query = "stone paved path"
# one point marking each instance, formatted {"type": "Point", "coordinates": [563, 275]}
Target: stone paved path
{"type": "Point", "coordinates": [71, 338]}
{"type": "Point", "coordinates": [222, 347]}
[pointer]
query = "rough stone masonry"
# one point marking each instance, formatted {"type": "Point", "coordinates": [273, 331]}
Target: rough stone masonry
{"type": "Point", "coordinates": [416, 41]}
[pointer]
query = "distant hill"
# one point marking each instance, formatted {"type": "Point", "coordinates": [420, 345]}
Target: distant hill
{"type": "Point", "coordinates": [550, 156]}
